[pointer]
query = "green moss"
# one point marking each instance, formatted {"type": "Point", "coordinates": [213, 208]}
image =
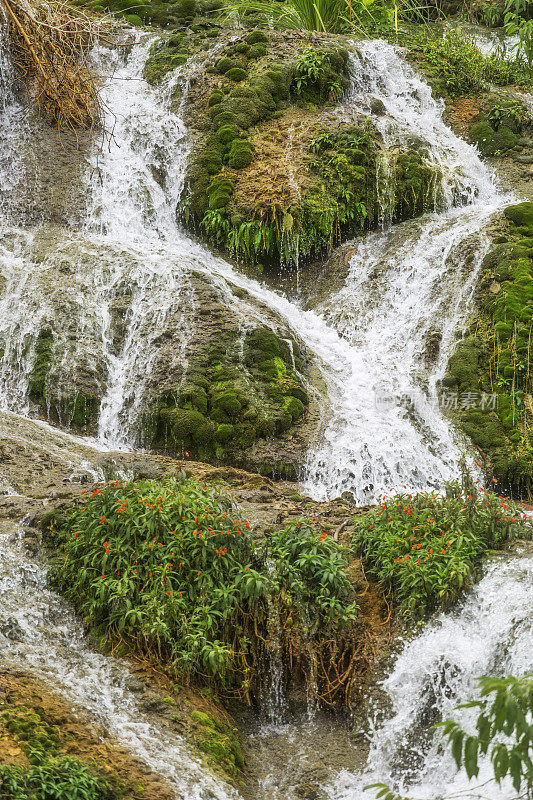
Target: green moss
{"type": "Point", "coordinates": [236, 74]}
{"type": "Point", "coordinates": [244, 393]}
{"type": "Point", "coordinates": [215, 98]}
{"type": "Point", "coordinates": [257, 51]}
{"type": "Point", "coordinates": [42, 364]}
{"type": "Point", "coordinates": [521, 215]}
{"type": "Point", "coordinates": [164, 57]}
{"type": "Point", "coordinates": [226, 134]}
{"type": "Point", "coordinates": [255, 37]}
{"type": "Point", "coordinates": [133, 19]}
{"type": "Point", "coordinates": [321, 74]}
{"type": "Point", "coordinates": [241, 154]}
{"type": "Point", "coordinates": [493, 360]}
{"type": "Point", "coordinates": [226, 64]}
{"type": "Point", "coordinates": [31, 730]}
{"type": "Point", "coordinates": [81, 410]}
{"type": "Point", "coordinates": [294, 407]}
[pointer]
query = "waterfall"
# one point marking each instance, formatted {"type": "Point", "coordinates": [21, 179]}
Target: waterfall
{"type": "Point", "coordinates": [133, 262]}
{"type": "Point", "coordinates": [489, 634]}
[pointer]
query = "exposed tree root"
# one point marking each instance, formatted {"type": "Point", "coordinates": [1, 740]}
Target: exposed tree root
{"type": "Point", "coordinates": [49, 43]}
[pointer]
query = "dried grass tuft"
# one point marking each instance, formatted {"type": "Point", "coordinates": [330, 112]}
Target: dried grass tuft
{"type": "Point", "coordinates": [49, 43]}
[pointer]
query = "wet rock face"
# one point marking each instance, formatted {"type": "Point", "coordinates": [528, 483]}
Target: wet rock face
{"type": "Point", "coordinates": [490, 365]}
{"type": "Point", "coordinates": [205, 366]}
{"type": "Point", "coordinates": [48, 184]}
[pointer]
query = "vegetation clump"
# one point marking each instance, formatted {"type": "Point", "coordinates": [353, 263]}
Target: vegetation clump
{"type": "Point", "coordinates": [426, 549]}
{"type": "Point", "coordinates": [454, 66]}
{"type": "Point", "coordinates": [173, 571]}
{"type": "Point", "coordinates": [492, 362]}
{"type": "Point", "coordinates": [50, 43]}
{"type": "Point", "coordinates": [331, 16]}
{"type": "Point", "coordinates": [51, 778]}
{"type": "Point", "coordinates": [503, 729]}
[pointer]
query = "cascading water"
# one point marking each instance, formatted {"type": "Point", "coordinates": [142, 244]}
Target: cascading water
{"type": "Point", "coordinates": [133, 248]}
{"type": "Point", "coordinates": [489, 634]}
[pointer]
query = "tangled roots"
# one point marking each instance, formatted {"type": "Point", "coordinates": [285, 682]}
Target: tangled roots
{"type": "Point", "coordinates": [49, 43]}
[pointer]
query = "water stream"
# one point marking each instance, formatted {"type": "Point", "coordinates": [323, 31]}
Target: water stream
{"type": "Point", "coordinates": [130, 267]}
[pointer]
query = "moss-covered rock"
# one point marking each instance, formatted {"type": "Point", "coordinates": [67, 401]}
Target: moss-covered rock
{"type": "Point", "coordinates": [42, 363]}
{"type": "Point", "coordinates": [321, 74]}
{"type": "Point", "coordinates": [491, 365]}
{"type": "Point", "coordinates": [219, 740]}
{"type": "Point", "coordinates": [236, 394]}
{"type": "Point", "coordinates": [241, 154]}
{"type": "Point", "coordinates": [492, 142]}
{"type": "Point", "coordinates": [236, 74]}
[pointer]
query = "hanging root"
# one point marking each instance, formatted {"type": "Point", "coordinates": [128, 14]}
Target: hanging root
{"type": "Point", "coordinates": [49, 43]}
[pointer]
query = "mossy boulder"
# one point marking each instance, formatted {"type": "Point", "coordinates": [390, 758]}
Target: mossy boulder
{"type": "Point", "coordinates": [492, 142]}
{"type": "Point", "coordinates": [490, 372]}
{"type": "Point", "coordinates": [236, 74]}
{"type": "Point", "coordinates": [257, 51]}
{"type": "Point", "coordinates": [226, 64]}
{"type": "Point", "coordinates": [257, 37]}
{"type": "Point", "coordinates": [241, 154]}
{"type": "Point", "coordinates": [234, 396]}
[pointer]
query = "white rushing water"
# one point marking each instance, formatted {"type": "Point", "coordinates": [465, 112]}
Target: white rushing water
{"type": "Point", "coordinates": [369, 338]}
{"type": "Point", "coordinates": [490, 633]}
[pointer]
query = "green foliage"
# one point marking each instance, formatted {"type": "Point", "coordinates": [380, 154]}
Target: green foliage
{"type": "Point", "coordinates": [171, 570]}
{"type": "Point", "coordinates": [494, 357]}
{"type": "Point", "coordinates": [49, 778]}
{"type": "Point", "coordinates": [311, 570]}
{"type": "Point", "coordinates": [505, 708]}
{"type": "Point", "coordinates": [518, 21]}
{"type": "Point", "coordinates": [426, 549]}
{"type": "Point", "coordinates": [510, 113]}
{"type": "Point", "coordinates": [328, 16]}
{"type": "Point", "coordinates": [320, 74]}
{"type": "Point", "coordinates": [455, 66]}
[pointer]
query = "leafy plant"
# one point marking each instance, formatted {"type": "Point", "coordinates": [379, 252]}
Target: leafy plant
{"type": "Point", "coordinates": [505, 708]}
{"type": "Point", "coordinates": [327, 16]}
{"type": "Point", "coordinates": [510, 113]}
{"type": "Point", "coordinates": [505, 712]}
{"type": "Point", "coordinates": [62, 778]}
{"type": "Point", "coordinates": [516, 22]}
{"type": "Point", "coordinates": [455, 65]}
{"type": "Point", "coordinates": [425, 549]}
{"type": "Point", "coordinates": [173, 571]}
